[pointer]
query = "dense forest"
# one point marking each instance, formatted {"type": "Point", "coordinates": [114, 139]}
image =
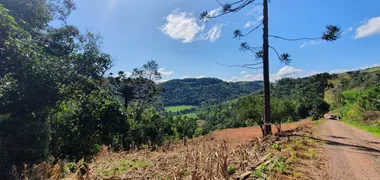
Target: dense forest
{"type": "Point", "coordinates": [206, 91]}
{"type": "Point", "coordinates": [56, 99]}
{"type": "Point", "coordinates": [293, 99]}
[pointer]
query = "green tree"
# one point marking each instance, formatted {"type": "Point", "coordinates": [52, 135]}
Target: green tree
{"type": "Point", "coordinates": [251, 110]}
{"type": "Point", "coordinates": [40, 68]}
{"type": "Point", "coordinates": [140, 89]}
{"type": "Point", "coordinates": [283, 110]}
{"type": "Point", "coordinates": [34, 15]}
{"type": "Point", "coordinates": [28, 77]}
{"type": "Point", "coordinates": [80, 126]}
{"type": "Point", "coordinates": [321, 83]}
{"type": "Point", "coordinates": [319, 107]}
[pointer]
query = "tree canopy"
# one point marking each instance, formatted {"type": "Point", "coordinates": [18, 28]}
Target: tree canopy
{"type": "Point", "coordinates": [207, 91]}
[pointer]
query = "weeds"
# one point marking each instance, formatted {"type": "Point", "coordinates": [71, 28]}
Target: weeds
{"type": "Point", "coordinates": [202, 158]}
{"type": "Point", "coordinates": [280, 165]}
{"type": "Point", "coordinates": [231, 169]}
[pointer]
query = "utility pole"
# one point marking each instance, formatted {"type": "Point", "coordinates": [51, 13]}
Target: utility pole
{"type": "Point", "coordinates": [267, 120]}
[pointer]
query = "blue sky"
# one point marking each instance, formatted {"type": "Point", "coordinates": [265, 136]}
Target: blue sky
{"type": "Point", "coordinates": [170, 32]}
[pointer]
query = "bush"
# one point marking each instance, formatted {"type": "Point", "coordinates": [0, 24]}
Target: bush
{"type": "Point", "coordinates": [198, 132]}
{"type": "Point", "coordinates": [319, 108]}
{"type": "Point", "coordinates": [80, 126]}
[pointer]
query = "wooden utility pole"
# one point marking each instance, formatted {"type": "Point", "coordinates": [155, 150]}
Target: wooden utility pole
{"type": "Point", "coordinates": [267, 114]}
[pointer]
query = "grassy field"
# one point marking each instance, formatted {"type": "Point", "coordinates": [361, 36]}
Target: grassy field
{"type": "Point", "coordinates": [373, 69]}
{"type": "Point", "coordinates": [177, 108]}
{"type": "Point", "coordinates": [372, 129]}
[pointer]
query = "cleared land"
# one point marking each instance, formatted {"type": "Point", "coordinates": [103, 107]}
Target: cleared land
{"type": "Point", "coordinates": [220, 155]}
{"type": "Point", "coordinates": [178, 108]}
{"type": "Point", "coordinates": [242, 135]}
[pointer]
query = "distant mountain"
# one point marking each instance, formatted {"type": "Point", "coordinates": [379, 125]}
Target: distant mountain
{"type": "Point", "coordinates": [193, 91]}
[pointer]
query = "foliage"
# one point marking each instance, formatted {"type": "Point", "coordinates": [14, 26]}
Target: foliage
{"type": "Point", "coordinates": [356, 98]}
{"type": "Point", "coordinates": [80, 126]}
{"type": "Point", "coordinates": [55, 100]}
{"type": "Point", "coordinates": [319, 107]}
{"type": "Point", "coordinates": [359, 105]}
{"type": "Point", "coordinates": [140, 89]}
{"type": "Point", "coordinates": [29, 88]}
{"type": "Point", "coordinates": [206, 91]}
{"type": "Point", "coordinates": [247, 111]}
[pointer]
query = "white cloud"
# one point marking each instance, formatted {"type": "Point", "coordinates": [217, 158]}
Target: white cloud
{"type": "Point", "coordinates": [369, 28]}
{"type": "Point", "coordinates": [292, 72]}
{"type": "Point", "coordinates": [181, 26]}
{"type": "Point", "coordinates": [243, 72]}
{"type": "Point", "coordinates": [347, 30]}
{"type": "Point", "coordinates": [252, 23]}
{"type": "Point", "coordinates": [312, 42]}
{"type": "Point", "coordinates": [249, 24]}
{"type": "Point", "coordinates": [337, 71]}
{"type": "Point", "coordinates": [257, 14]}
{"type": "Point", "coordinates": [184, 26]}
{"type": "Point", "coordinates": [370, 66]}
{"type": "Point", "coordinates": [286, 71]}
{"type": "Point", "coordinates": [165, 73]}
{"type": "Point", "coordinates": [312, 73]}
{"type": "Point", "coordinates": [215, 12]}
{"type": "Point", "coordinates": [197, 77]}
{"type": "Point", "coordinates": [213, 34]}
{"type": "Point", "coordinates": [257, 11]}
{"type": "Point", "coordinates": [248, 77]}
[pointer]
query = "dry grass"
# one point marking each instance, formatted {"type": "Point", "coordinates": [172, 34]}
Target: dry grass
{"type": "Point", "coordinates": [274, 157]}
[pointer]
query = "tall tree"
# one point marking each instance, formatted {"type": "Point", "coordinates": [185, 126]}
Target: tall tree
{"type": "Point", "coordinates": [41, 67]}
{"type": "Point", "coordinates": [332, 33]}
{"type": "Point", "coordinates": [139, 88]}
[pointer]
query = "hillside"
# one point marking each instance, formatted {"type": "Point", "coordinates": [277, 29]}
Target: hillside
{"type": "Point", "coordinates": [297, 98]}
{"type": "Point", "coordinates": [194, 92]}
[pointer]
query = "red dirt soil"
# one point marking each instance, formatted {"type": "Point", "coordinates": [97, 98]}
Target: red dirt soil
{"type": "Point", "coordinates": [241, 135]}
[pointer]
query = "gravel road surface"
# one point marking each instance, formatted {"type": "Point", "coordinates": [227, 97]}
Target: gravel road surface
{"type": "Point", "coordinates": [351, 152]}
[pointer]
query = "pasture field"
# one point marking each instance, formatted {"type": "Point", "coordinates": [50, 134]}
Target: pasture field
{"type": "Point", "coordinates": [178, 108]}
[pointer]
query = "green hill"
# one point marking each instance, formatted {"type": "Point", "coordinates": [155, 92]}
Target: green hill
{"type": "Point", "coordinates": [194, 92]}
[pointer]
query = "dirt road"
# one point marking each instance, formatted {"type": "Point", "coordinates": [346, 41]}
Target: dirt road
{"type": "Point", "coordinates": [351, 153]}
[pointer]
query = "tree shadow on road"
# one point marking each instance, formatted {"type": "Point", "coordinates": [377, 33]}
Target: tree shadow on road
{"type": "Point", "coordinates": [338, 137]}
{"type": "Point", "coordinates": [334, 143]}
{"type": "Point", "coordinates": [373, 142]}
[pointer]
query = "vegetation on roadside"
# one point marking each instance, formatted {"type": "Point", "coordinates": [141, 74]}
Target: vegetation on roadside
{"type": "Point", "coordinates": [56, 99]}
{"type": "Point", "coordinates": [374, 129]}
{"type": "Point", "coordinates": [355, 97]}
{"type": "Point", "coordinates": [282, 156]}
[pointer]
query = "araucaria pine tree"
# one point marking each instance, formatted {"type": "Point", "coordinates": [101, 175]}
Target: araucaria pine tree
{"type": "Point", "coordinates": [332, 33]}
